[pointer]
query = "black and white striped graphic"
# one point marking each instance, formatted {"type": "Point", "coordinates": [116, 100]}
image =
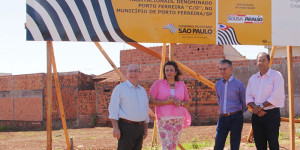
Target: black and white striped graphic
{"type": "Point", "coordinates": [226, 35]}
{"type": "Point", "coordinates": [72, 20]}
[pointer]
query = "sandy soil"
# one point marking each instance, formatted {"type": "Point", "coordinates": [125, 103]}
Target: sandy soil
{"type": "Point", "coordinates": [101, 138]}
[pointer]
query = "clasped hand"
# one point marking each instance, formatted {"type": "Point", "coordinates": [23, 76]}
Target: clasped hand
{"type": "Point", "coordinates": [259, 111]}
{"type": "Point", "coordinates": [174, 101]}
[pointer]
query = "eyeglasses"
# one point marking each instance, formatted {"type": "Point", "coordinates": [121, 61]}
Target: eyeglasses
{"type": "Point", "coordinates": [223, 69]}
{"type": "Point", "coordinates": [134, 71]}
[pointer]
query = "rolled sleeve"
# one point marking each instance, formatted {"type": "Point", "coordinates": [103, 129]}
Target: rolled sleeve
{"type": "Point", "coordinates": [278, 94]}
{"type": "Point", "coordinates": [114, 105]}
{"type": "Point", "coordinates": [186, 93]}
{"type": "Point", "coordinates": [148, 120]}
{"type": "Point", "coordinates": [217, 93]}
{"type": "Point", "coordinates": [154, 89]}
{"type": "Point", "coordinates": [249, 97]}
{"type": "Point", "coordinates": [243, 97]}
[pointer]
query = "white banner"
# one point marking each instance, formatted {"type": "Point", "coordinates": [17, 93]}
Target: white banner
{"type": "Point", "coordinates": [286, 22]}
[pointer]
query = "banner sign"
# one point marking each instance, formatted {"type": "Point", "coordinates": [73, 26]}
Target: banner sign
{"type": "Point", "coordinates": [235, 22]}
{"type": "Point", "coordinates": [250, 19]}
{"type": "Point", "coordinates": [286, 22]}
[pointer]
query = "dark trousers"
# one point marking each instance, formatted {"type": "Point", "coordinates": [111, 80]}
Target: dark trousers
{"type": "Point", "coordinates": [234, 124]}
{"type": "Point", "coordinates": [266, 129]}
{"type": "Point", "coordinates": [131, 136]}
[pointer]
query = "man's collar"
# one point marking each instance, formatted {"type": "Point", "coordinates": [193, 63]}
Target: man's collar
{"type": "Point", "coordinates": [229, 80]}
{"type": "Point", "coordinates": [267, 74]}
{"type": "Point", "coordinates": [129, 84]}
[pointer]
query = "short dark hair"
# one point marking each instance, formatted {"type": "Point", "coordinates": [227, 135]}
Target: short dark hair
{"type": "Point", "coordinates": [172, 63]}
{"type": "Point", "coordinates": [226, 61]}
{"type": "Point", "coordinates": [268, 56]}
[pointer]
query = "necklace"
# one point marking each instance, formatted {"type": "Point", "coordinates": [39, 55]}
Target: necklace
{"type": "Point", "coordinates": [172, 84]}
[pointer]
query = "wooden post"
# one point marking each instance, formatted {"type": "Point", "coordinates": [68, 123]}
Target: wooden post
{"type": "Point", "coordinates": [71, 143]}
{"type": "Point", "coordinates": [163, 57]}
{"type": "Point", "coordinates": [272, 55]}
{"type": "Point", "coordinates": [163, 60]}
{"type": "Point", "coordinates": [123, 79]}
{"type": "Point", "coordinates": [171, 51]}
{"type": "Point", "coordinates": [180, 146]}
{"type": "Point", "coordinates": [60, 103]}
{"type": "Point", "coordinates": [291, 97]}
{"type": "Point", "coordinates": [49, 96]}
{"type": "Point", "coordinates": [180, 66]}
{"type": "Point", "coordinates": [250, 135]}
{"type": "Point", "coordinates": [283, 119]}
{"type": "Point", "coordinates": [154, 136]}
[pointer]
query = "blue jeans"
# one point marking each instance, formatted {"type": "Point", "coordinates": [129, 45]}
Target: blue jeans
{"type": "Point", "coordinates": [232, 123]}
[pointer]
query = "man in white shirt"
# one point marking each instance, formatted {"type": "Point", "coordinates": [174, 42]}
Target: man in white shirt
{"type": "Point", "coordinates": [128, 111]}
{"type": "Point", "coordinates": [265, 95]}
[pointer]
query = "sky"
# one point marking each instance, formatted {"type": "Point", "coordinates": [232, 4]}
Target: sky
{"type": "Point", "coordinates": [18, 56]}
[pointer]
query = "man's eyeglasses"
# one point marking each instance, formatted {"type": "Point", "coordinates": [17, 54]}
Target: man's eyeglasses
{"type": "Point", "coordinates": [133, 71]}
{"type": "Point", "coordinates": [223, 69]}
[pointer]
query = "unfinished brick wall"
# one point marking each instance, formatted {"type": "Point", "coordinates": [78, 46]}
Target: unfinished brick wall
{"type": "Point", "coordinates": [203, 108]}
{"type": "Point", "coordinates": [77, 94]}
{"type": "Point", "coordinates": [103, 93]}
{"type": "Point", "coordinates": [23, 99]}
{"type": "Point", "coordinates": [203, 59]}
{"type": "Point", "coordinates": [87, 107]}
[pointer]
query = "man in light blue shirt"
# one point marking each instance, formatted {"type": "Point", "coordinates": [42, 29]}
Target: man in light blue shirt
{"type": "Point", "coordinates": [129, 111]}
{"type": "Point", "coordinates": [231, 100]}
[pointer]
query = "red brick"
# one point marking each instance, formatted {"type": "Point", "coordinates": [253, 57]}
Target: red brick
{"type": "Point", "coordinates": [28, 109]}
{"type": "Point", "coordinates": [6, 109]}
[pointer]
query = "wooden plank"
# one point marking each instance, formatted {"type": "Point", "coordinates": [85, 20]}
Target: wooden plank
{"type": "Point", "coordinates": [60, 103]}
{"type": "Point", "coordinates": [154, 136]}
{"type": "Point", "coordinates": [283, 119]}
{"type": "Point", "coordinates": [180, 146]}
{"type": "Point", "coordinates": [272, 55]}
{"type": "Point", "coordinates": [181, 66]}
{"type": "Point", "coordinates": [71, 142]}
{"type": "Point", "coordinates": [171, 51]}
{"type": "Point", "coordinates": [123, 79]}
{"type": "Point", "coordinates": [291, 97]}
{"type": "Point", "coordinates": [49, 96]}
{"type": "Point", "coordinates": [163, 56]}
{"type": "Point", "coordinates": [250, 136]}
{"type": "Point", "coordinates": [163, 60]}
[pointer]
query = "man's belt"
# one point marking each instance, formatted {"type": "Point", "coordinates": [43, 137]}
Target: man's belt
{"type": "Point", "coordinates": [132, 122]}
{"type": "Point", "coordinates": [229, 114]}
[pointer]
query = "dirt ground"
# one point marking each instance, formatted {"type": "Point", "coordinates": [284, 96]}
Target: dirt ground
{"type": "Point", "coordinates": [101, 138]}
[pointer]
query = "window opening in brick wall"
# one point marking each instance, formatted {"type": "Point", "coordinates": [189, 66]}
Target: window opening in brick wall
{"type": "Point", "coordinates": [107, 90]}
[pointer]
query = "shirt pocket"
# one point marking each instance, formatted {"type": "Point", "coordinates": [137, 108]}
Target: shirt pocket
{"type": "Point", "coordinates": [127, 96]}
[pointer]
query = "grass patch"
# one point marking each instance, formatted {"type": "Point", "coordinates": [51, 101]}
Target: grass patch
{"type": "Point", "coordinates": [149, 148]}
{"type": "Point", "coordinates": [30, 133]}
{"type": "Point", "coordinates": [250, 144]}
{"type": "Point", "coordinates": [93, 123]}
{"type": "Point", "coordinates": [3, 136]}
{"type": "Point", "coordinates": [197, 144]}
{"type": "Point", "coordinates": [4, 128]}
{"type": "Point", "coordinates": [193, 144]}
{"type": "Point", "coordinates": [89, 138]}
{"type": "Point", "coordinates": [227, 139]}
{"type": "Point", "coordinates": [282, 136]}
